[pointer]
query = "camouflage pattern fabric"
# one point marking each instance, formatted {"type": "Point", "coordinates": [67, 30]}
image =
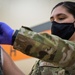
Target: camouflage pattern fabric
{"type": "Point", "coordinates": [50, 48]}
{"type": "Point", "coordinates": [46, 69]}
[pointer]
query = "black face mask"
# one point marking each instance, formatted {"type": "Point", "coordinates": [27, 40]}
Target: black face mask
{"type": "Point", "coordinates": [63, 30]}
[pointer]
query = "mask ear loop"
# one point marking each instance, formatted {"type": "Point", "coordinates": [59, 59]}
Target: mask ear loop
{"type": "Point", "coordinates": [74, 25]}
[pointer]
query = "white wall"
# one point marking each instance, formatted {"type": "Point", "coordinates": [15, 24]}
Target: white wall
{"type": "Point", "coordinates": [26, 65]}
{"type": "Point", "coordinates": [25, 12]}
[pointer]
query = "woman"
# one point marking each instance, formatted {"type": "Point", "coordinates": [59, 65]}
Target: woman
{"type": "Point", "coordinates": [63, 22]}
{"type": "Point", "coordinates": [58, 49]}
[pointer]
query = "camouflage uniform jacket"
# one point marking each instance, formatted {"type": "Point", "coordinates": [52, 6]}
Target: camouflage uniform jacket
{"type": "Point", "coordinates": [50, 48]}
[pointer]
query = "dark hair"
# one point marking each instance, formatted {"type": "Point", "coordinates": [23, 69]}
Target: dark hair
{"type": "Point", "coordinates": [70, 6]}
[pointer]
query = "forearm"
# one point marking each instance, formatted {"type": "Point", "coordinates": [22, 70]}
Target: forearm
{"type": "Point", "coordinates": [9, 67]}
{"type": "Point", "coordinates": [45, 47]}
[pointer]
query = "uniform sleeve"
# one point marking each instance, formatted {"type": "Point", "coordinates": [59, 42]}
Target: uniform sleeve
{"type": "Point", "coordinates": [46, 47]}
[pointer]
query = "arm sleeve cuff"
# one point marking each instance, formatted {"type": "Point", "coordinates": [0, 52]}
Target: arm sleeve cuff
{"type": "Point", "coordinates": [14, 36]}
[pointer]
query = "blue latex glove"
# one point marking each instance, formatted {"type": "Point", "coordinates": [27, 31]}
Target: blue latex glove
{"type": "Point", "coordinates": [5, 34]}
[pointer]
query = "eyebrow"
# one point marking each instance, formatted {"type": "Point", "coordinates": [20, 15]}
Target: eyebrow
{"type": "Point", "coordinates": [58, 15]}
